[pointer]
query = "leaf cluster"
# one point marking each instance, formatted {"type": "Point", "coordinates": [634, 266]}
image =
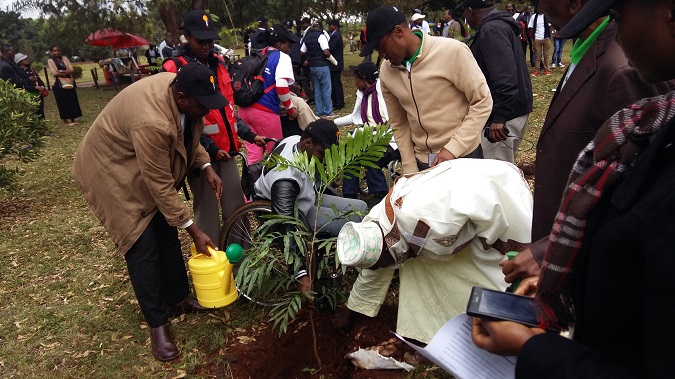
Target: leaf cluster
{"type": "Point", "coordinates": [21, 131]}
{"type": "Point", "coordinates": [364, 147]}
{"type": "Point", "coordinates": [264, 270]}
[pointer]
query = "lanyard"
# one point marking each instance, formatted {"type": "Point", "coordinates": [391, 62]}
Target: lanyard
{"type": "Point", "coordinates": [581, 46]}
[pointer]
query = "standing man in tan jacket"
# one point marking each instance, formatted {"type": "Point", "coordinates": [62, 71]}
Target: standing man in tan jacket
{"type": "Point", "coordinates": [436, 95]}
{"type": "Point", "coordinates": [129, 167]}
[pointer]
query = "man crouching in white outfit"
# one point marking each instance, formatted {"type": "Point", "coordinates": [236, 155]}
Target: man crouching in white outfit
{"type": "Point", "coordinates": [457, 220]}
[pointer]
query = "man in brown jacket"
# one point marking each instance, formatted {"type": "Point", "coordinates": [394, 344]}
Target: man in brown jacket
{"type": "Point", "coordinates": [129, 167]}
{"type": "Point", "coordinates": [437, 97]}
{"type": "Point", "coordinates": [599, 84]}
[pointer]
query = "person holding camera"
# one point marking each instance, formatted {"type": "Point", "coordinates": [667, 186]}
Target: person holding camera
{"type": "Point", "coordinates": [498, 51]}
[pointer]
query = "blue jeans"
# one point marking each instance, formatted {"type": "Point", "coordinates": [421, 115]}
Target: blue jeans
{"type": "Point", "coordinates": [375, 179]}
{"type": "Point", "coordinates": [322, 90]}
{"type": "Point", "coordinates": [558, 44]}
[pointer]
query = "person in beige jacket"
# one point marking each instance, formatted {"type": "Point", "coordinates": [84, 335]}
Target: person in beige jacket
{"type": "Point", "coordinates": [437, 97]}
{"type": "Point", "coordinates": [129, 167]}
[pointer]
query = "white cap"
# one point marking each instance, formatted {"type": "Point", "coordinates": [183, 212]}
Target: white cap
{"type": "Point", "coordinates": [417, 16]}
{"type": "Point", "coordinates": [360, 244]}
{"type": "Point", "coordinates": [19, 57]}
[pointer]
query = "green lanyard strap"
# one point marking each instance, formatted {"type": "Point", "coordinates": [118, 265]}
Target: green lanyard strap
{"type": "Point", "coordinates": [581, 46]}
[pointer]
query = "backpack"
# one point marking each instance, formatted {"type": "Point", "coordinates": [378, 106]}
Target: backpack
{"type": "Point", "coordinates": [247, 78]}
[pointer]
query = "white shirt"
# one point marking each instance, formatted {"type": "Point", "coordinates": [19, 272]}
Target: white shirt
{"type": "Point", "coordinates": [355, 117]}
{"type": "Point", "coordinates": [284, 68]}
{"type": "Point", "coordinates": [425, 27]}
{"type": "Point", "coordinates": [468, 203]}
{"type": "Point", "coordinates": [539, 30]}
{"type": "Point", "coordinates": [162, 46]}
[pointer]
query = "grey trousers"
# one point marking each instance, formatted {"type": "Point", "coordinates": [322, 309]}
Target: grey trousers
{"type": "Point", "coordinates": [506, 150]}
{"type": "Point", "coordinates": [328, 221]}
{"type": "Point", "coordinates": [205, 205]}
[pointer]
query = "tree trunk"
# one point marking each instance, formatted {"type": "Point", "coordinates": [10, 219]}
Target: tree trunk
{"type": "Point", "coordinates": [168, 12]}
{"type": "Point", "coordinates": [200, 4]}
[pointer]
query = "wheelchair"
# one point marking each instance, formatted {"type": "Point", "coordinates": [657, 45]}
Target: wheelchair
{"type": "Point", "coordinates": [241, 225]}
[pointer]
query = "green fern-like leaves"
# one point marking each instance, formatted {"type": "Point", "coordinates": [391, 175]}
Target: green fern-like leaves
{"type": "Point", "coordinates": [363, 148]}
{"type": "Point", "coordinates": [263, 273]}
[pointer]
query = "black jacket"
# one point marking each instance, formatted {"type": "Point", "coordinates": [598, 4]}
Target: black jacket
{"type": "Point", "coordinates": [623, 289]}
{"type": "Point", "coordinates": [336, 47]}
{"type": "Point", "coordinates": [10, 71]}
{"type": "Point", "coordinates": [25, 73]}
{"type": "Point", "coordinates": [499, 53]}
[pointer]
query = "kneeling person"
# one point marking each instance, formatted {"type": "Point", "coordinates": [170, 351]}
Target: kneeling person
{"type": "Point", "coordinates": [286, 187]}
{"type": "Point", "coordinates": [457, 220]}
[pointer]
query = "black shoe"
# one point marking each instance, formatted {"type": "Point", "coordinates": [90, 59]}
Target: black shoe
{"type": "Point", "coordinates": [377, 198]}
{"type": "Point", "coordinates": [189, 305]}
{"type": "Point", "coordinates": [163, 346]}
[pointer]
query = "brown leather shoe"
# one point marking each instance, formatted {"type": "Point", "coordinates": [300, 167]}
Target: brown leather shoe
{"type": "Point", "coordinates": [189, 305]}
{"type": "Point", "coordinates": [163, 347]}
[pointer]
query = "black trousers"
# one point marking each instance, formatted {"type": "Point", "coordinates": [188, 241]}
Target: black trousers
{"type": "Point", "coordinates": [157, 270]}
{"type": "Point", "coordinates": [337, 93]}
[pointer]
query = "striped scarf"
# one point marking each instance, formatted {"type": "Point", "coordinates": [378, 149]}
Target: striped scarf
{"type": "Point", "coordinates": [600, 167]}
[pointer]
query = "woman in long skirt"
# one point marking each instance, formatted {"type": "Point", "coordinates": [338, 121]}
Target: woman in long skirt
{"type": "Point", "coordinates": [66, 98]}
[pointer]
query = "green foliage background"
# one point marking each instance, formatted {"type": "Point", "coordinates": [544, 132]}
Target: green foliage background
{"type": "Point", "coordinates": [21, 131]}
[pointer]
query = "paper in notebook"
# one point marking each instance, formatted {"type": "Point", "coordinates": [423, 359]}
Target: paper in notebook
{"type": "Point", "coordinates": [453, 350]}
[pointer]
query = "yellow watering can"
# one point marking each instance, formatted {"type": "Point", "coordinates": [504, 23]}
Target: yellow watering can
{"type": "Point", "coordinates": [212, 276]}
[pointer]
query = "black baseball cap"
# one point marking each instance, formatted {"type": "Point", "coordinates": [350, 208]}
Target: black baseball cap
{"type": "Point", "coordinates": [368, 70]}
{"type": "Point", "coordinates": [477, 4]}
{"type": "Point", "coordinates": [379, 23]}
{"type": "Point", "coordinates": [198, 81]}
{"type": "Point", "coordinates": [262, 20]}
{"type": "Point", "coordinates": [306, 20]}
{"type": "Point", "coordinates": [200, 25]}
{"type": "Point", "coordinates": [590, 12]}
{"type": "Point", "coordinates": [325, 131]}
{"type": "Point", "coordinates": [334, 22]}
{"type": "Point", "coordinates": [278, 33]}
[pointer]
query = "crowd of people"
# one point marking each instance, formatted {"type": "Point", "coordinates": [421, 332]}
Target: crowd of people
{"type": "Point", "coordinates": [16, 68]}
{"type": "Point", "coordinates": [459, 105]}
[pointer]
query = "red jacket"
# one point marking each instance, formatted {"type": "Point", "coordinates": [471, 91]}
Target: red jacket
{"type": "Point", "coordinates": [223, 134]}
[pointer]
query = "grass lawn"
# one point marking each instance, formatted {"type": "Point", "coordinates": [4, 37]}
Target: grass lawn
{"type": "Point", "coordinates": [68, 309]}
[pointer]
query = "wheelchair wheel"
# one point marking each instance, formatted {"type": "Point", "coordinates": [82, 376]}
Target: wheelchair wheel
{"type": "Point", "coordinates": [241, 224]}
{"type": "Point", "coordinates": [240, 228]}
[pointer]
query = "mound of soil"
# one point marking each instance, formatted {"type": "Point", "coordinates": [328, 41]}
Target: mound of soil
{"type": "Point", "coordinates": [264, 354]}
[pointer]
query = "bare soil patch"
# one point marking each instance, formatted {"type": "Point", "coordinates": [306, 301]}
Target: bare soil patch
{"type": "Point", "coordinates": [261, 353]}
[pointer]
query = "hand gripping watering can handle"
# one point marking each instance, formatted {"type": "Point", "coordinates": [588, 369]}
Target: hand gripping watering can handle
{"type": "Point", "coordinates": [194, 253]}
